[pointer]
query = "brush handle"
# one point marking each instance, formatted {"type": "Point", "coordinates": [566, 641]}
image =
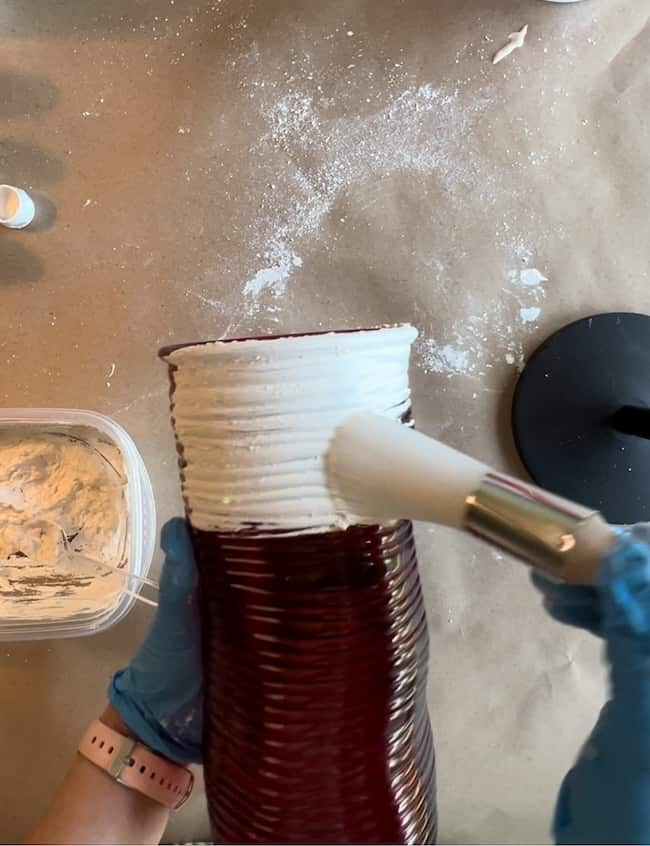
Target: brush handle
{"type": "Point", "coordinates": [553, 534]}
{"type": "Point", "coordinates": [384, 470]}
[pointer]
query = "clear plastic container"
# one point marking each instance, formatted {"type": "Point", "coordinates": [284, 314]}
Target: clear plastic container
{"type": "Point", "coordinates": [141, 524]}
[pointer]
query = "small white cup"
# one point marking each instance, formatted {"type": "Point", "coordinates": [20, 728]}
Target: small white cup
{"type": "Point", "coordinates": [17, 208]}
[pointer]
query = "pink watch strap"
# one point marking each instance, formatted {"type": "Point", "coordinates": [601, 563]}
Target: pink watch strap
{"type": "Point", "coordinates": [137, 767]}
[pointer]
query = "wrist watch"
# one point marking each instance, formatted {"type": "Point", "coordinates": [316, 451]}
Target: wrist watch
{"type": "Point", "coordinates": [135, 766]}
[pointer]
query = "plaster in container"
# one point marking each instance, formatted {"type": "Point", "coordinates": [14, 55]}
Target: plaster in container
{"type": "Point", "coordinates": [61, 581]}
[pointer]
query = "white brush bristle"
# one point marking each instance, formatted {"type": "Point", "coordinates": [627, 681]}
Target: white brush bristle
{"type": "Point", "coordinates": [383, 470]}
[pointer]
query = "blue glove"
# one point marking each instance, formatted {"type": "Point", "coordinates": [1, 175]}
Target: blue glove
{"type": "Point", "coordinates": [159, 695]}
{"type": "Point", "coordinates": [573, 605]}
{"type": "Point", "coordinates": [605, 797]}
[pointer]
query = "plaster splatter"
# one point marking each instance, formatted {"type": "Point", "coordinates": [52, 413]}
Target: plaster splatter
{"type": "Point", "coordinates": [476, 347]}
{"type": "Point", "coordinates": [282, 261]}
{"type": "Point", "coordinates": [530, 277]}
{"type": "Point", "coordinates": [444, 359]}
{"type": "Point", "coordinates": [516, 40]}
{"type": "Point", "coordinates": [330, 151]}
{"type": "Point", "coordinates": [529, 315]}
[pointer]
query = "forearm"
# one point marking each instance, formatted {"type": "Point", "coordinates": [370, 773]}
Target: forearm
{"type": "Point", "coordinates": [91, 807]}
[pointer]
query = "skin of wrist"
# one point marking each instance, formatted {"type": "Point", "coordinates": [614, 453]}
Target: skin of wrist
{"type": "Point", "coordinates": [112, 720]}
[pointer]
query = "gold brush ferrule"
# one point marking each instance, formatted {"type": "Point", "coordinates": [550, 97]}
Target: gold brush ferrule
{"type": "Point", "coordinates": [534, 525]}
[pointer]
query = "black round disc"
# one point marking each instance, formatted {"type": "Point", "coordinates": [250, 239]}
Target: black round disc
{"type": "Point", "coordinates": [568, 426]}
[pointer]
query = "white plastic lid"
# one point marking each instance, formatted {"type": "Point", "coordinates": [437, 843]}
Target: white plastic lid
{"type": "Point", "coordinates": [17, 208]}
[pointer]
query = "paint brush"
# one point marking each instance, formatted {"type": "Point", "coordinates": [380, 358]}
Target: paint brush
{"type": "Point", "coordinates": [382, 470]}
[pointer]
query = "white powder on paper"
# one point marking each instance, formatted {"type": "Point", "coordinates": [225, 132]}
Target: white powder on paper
{"type": "Point", "coordinates": [418, 131]}
{"type": "Point", "coordinates": [495, 334]}
{"type": "Point", "coordinates": [475, 347]}
{"type": "Point", "coordinates": [333, 153]}
{"type": "Point", "coordinates": [63, 514]}
{"type": "Point", "coordinates": [444, 359]}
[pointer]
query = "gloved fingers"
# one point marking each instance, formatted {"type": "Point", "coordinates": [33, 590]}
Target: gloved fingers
{"type": "Point", "coordinates": [573, 605]}
{"type": "Point", "coordinates": [178, 578]}
{"type": "Point", "coordinates": [624, 580]}
{"type": "Point", "coordinates": [159, 695]}
{"type": "Point", "coordinates": [176, 623]}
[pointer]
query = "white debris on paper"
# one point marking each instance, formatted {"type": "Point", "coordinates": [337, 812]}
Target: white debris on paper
{"type": "Point", "coordinates": [528, 277]}
{"type": "Point", "coordinates": [334, 166]}
{"type": "Point", "coordinates": [444, 359]}
{"type": "Point", "coordinates": [476, 346]}
{"type": "Point", "coordinates": [531, 276]}
{"type": "Point", "coordinates": [282, 261]}
{"type": "Point", "coordinates": [485, 339]}
{"type": "Point", "coordinates": [515, 42]}
{"type": "Point", "coordinates": [419, 131]}
{"type": "Point", "coordinates": [529, 315]}
{"type": "Point", "coordinates": [109, 375]}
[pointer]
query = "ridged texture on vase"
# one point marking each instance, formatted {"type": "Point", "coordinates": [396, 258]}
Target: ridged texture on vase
{"type": "Point", "coordinates": [254, 419]}
{"type": "Point", "coordinates": [315, 660]}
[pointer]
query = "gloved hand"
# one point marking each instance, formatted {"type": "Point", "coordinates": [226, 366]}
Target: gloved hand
{"type": "Point", "coordinates": [159, 695]}
{"type": "Point", "coordinates": [577, 605]}
{"type": "Point", "coordinates": [605, 797]}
